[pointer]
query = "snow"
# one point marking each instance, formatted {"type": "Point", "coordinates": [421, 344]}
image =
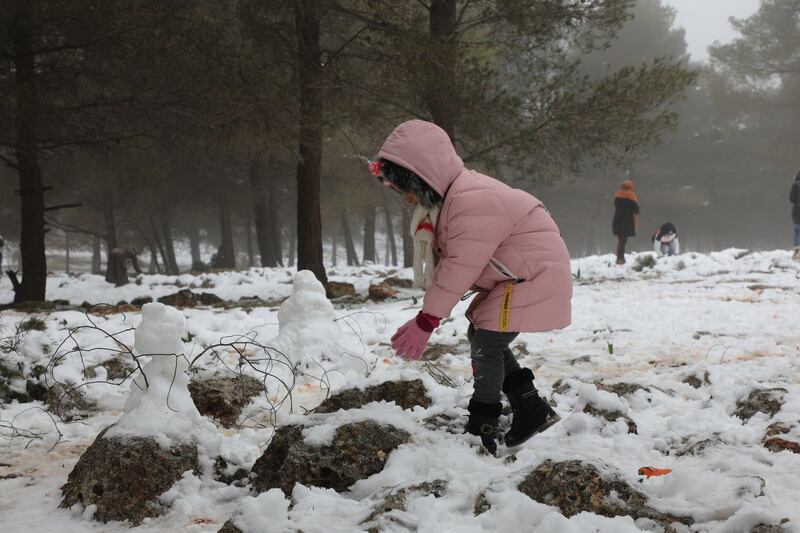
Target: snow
{"type": "Point", "coordinates": [729, 314]}
{"type": "Point", "coordinates": [307, 329]}
{"type": "Point", "coordinates": [159, 404]}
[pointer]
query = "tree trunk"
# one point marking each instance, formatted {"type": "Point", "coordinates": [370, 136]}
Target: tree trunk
{"type": "Point", "coordinates": [66, 249]}
{"type": "Point", "coordinates": [442, 65]}
{"type": "Point", "coordinates": [160, 245]}
{"type": "Point", "coordinates": [226, 257]}
{"type": "Point", "coordinates": [392, 244]}
{"type": "Point", "coordinates": [369, 233]}
{"type": "Point", "coordinates": [292, 244]}
{"type": "Point", "coordinates": [169, 247]}
{"type": "Point", "coordinates": [334, 250]}
{"type": "Point", "coordinates": [154, 267]}
{"type": "Point", "coordinates": [591, 230]}
{"type": "Point", "coordinates": [309, 220]}
{"type": "Point", "coordinates": [109, 217]}
{"type": "Point", "coordinates": [349, 245]}
{"type": "Point", "coordinates": [274, 213]}
{"type": "Point", "coordinates": [194, 247]}
{"type": "Point", "coordinates": [408, 241]}
{"type": "Point", "coordinates": [31, 186]}
{"type": "Point", "coordinates": [96, 261]}
{"type": "Point", "coordinates": [264, 237]}
{"type": "Point", "coordinates": [251, 254]}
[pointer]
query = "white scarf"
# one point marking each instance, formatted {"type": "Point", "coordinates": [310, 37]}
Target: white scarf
{"type": "Point", "coordinates": [423, 224]}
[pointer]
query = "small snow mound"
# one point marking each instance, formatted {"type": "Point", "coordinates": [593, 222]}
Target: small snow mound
{"type": "Point", "coordinates": [160, 331]}
{"type": "Point", "coordinates": [159, 404]}
{"type": "Point", "coordinates": [307, 302]}
{"type": "Point", "coordinates": [307, 328]}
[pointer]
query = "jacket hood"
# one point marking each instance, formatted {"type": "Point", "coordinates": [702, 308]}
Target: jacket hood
{"type": "Point", "coordinates": [425, 149]}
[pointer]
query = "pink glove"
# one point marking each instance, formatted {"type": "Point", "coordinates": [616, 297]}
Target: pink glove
{"type": "Point", "coordinates": [410, 339]}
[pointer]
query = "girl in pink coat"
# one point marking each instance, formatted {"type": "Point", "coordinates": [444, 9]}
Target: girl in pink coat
{"type": "Point", "coordinates": [492, 239]}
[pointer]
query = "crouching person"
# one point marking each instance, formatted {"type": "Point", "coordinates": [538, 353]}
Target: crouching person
{"type": "Point", "coordinates": [665, 240]}
{"type": "Point", "coordinates": [491, 239]}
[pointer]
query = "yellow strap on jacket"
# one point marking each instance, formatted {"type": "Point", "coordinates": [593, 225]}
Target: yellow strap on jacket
{"type": "Point", "coordinates": [505, 310]}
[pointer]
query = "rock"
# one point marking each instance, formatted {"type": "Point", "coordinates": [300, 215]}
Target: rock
{"type": "Point", "coordinates": [338, 289]}
{"type": "Point", "coordinates": [381, 291]}
{"type": "Point", "coordinates": [400, 283]}
{"type": "Point", "coordinates": [481, 504]}
{"type": "Point", "coordinates": [620, 389]}
{"type": "Point", "coordinates": [186, 298]}
{"type": "Point", "coordinates": [105, 310]}
{"type": "Point", "coordinates": [406, 394]}
{"type": "Point", "coordinates": [396, 501]}
{"type": "Point", "coordinates": [561, 386]}
{"type": "Point", "coordinates": [444, 422]}
{"type": "Point", "coordinates": [228, 527]}
{"type": "Point", "coordinates": [611, 416]}
{"type": "Point", "coordinates": [764, 528]}
{"type": "Point", "coordinates": [777, 428]}
{"type": "Point", "coordinates": [32, 324]}
{"type": "Point", "coordinates": [767, 401]}
{"type": "Point", "coordinates": [358, 451]}
{"type": "Point", "coordinates": [696, 448]}
{"type": "Point", "coordinates": [694, 381]}
{"type": "Point", "coordinates": [434, 351]}
{"type": "Point", "coordinates": [116, 368]}
{"type": "Point", "coordinates": [235, 476]}
{"type": "Point", "coordinates": [142, 300]}
{"type": "Point", "coordinates": [223, 398]}
{"type": "Point", "coordinates": [68, 402]}
{"type": "Point", "coordinates": [124, 478]}
{"type": "Point", "coordinates": [575, 487]}
{"type": "Point", "coordinates": [777, 444]}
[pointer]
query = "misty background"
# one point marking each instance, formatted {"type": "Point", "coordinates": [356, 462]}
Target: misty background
{"type": "Point", "coordinates": [241, 130]}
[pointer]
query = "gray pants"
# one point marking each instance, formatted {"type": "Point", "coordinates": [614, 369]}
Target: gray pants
{"type": "Point", "coordinates": [492, 361]}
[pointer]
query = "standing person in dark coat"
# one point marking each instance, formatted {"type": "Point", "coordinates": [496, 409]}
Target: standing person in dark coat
{"type": "Point", "coordinates": [626, 211]}
{"type": "Point", "coordinates": [794, 197]}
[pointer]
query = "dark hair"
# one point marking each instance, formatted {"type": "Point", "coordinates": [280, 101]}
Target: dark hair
{"type": "Point", "coordinates": [408, 181]}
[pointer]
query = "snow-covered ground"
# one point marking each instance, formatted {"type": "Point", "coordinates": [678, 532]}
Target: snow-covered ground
{"type": "Point", "coordinates": [730, 318]}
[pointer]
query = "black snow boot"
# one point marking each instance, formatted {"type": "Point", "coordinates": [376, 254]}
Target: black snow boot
{"type": "Point", "coordinates": [483, 422]}
{"type": "Point", "coordinates": [531, 414]}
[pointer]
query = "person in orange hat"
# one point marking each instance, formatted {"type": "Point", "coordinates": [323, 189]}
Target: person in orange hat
{"type": "Point", "coordinates": [626, 211]}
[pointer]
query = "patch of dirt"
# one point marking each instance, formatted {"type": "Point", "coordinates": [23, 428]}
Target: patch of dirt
{"type": "Point", "coordinates": [612, 416]}
{"type": "Point", "coordinates": [396, 501]}
{"type": "Point", "coordinates": [767, 401]}
{"type": "Point", "coordinates": [434, 351]}
{"type": "Point", "coordinates": [620, 389]}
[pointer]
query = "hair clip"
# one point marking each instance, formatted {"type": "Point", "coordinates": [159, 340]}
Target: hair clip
{"type": "Point", "coordinates": [376, 168]}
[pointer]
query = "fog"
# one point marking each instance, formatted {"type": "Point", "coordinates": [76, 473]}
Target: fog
{"type": "Point", "coordinates": [225, 137]}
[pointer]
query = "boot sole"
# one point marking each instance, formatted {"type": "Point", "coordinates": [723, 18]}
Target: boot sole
{"type": "Point", "coordinates": [548, 423]}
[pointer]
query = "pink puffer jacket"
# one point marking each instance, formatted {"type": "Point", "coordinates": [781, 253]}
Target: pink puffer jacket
{"type": "Point", "coordinates": [490, 237]}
